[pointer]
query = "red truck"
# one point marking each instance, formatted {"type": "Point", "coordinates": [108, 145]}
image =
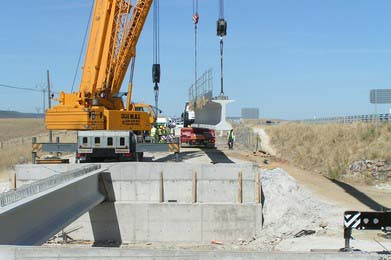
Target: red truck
{"type": "Point", "coordinates": [198, 136]}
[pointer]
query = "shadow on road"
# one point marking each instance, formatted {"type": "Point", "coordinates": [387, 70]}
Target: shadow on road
{"type": "Point", "coordinates": [360, 196]}
{"type": "Point", "coordinates": [217, 156]}
{"type": "Point", "coordinates": [182, 156]}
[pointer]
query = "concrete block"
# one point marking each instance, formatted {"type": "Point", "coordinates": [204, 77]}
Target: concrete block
{"type": "Point", "coordinates": [115, 170]}
{"type": "Point", "coordinates": [231, 222]}
{"type": "Point", "coordinates": [174, 222]}
{"type": "Point", "coordinates": [178, 186]}
{"type": "Point", "coordinates": [169, 222]}
{"type": "Point", "coordinates": [140, 182]}
{"type": "Point", "coordinates": [7, 252]}
{"type": "Point", "coordinates": [45, 253]}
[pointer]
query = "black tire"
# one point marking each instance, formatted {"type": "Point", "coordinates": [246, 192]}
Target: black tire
{"type": "Point", "coordinates": [209, 146]}
{"type": "Point", "coordinates": [139, 157]}
{"type": "Point", "coordinates": [93, 160]}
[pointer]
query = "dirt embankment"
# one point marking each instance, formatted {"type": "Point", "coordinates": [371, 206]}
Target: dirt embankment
{"type": "Point", "coordinates": [331, 149]}
{"type": "Point", "coordinates": [349, 164]}
{"type": "Point", "coordinates": [15, 141]}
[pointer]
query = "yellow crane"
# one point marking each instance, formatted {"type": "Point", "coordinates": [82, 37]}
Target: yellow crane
{"type": "Point", "coordinates": [115, 29]}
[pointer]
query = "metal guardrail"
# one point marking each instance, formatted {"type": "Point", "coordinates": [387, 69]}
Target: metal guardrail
{"type": "Point", "coordinates": [28, 190]}
{"type": "Point", "coordinates": [4, 144]}
{"type": "Point", "coordinates": [350, 119]}
{"type": "Point", "coordinates": [202, 88]}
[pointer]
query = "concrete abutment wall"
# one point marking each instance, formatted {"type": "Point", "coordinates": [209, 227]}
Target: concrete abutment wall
{"type": "Point", "coordinates": [169, 202]}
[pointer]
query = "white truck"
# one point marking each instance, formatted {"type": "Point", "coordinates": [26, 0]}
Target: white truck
{"type": "Point", "coordinates": [96, 146]}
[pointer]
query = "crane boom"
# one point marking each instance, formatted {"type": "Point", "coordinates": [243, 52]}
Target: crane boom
{"type": "Point", "coordinates": [115, 29]}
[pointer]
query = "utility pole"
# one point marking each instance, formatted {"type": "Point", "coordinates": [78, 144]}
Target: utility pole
{"type": "Point", "coordinates": [43, 99]}
{"type": "Point", "coordinates": [50, 105]}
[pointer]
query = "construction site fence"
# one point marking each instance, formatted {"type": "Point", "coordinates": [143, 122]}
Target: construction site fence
{"type": "Point", "coordinates": [350, 119]}
{"type": "Point", "coordinates": [28, 139]}
{"type": "Point", "coordinates": [28, 190]}
{"type": "Point", "coordinates": [246, 137]}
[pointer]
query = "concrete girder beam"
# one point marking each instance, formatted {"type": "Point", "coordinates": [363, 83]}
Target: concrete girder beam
{"type": "Point", "coordinates": [213, 115]}
{"type": "Point", "coordinates": [35, 219]}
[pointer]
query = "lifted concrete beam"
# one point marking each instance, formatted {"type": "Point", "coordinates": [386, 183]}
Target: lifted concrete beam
{"type": "Point", "coordinates": [35, 219]}
{"type": "Point", "coordinates": [213, 115]}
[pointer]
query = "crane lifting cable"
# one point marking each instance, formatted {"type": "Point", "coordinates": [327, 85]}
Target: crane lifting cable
{"type": "Point", "coordinates": [196, 19]}
{"type": "Point", "coordinates": [82, 47]}
{"type": "Point", "coordinates": [156, 54]}
{"type": "Point", "coordinates": [221, 32]}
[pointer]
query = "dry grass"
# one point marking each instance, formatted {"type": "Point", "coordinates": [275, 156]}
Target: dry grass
{"type": "Point", "coordinates": [330, 148]}
{"type": "Point", "coordinates": [17, 150]}
{"type": "Point", "coordinates": [16, 128]}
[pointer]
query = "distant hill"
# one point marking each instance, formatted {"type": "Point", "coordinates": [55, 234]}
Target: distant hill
{"type": "Point", "coordinates": [15, 114]}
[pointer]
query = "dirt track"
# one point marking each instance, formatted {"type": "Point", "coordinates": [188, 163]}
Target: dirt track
{"type": "Point", "coordinates": [359, 197]}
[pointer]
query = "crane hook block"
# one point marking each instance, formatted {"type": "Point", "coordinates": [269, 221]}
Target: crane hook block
{"type": "Point", "coordinates": [156, 73]}
{"type": "Point", "coordinates": [221, 27]}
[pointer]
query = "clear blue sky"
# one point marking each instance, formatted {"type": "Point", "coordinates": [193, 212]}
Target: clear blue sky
{"type": "Point", "coordinates": [290, 58]}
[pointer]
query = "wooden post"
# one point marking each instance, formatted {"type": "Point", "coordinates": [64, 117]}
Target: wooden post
{"type": "Point", "coordinates": [34, 152]}
{"type": "Point", "coordinates": [1, 145]}
{"type": "Point", "coordinates": [240, 188]}
{"type": "Point", "coordinates": [161, 188]}
{"type": "Point", "coordinates": [194, 189]}
{"type": "Point", "coordinates": [257, 189]}
{"type": "Point", "coordinates": [13, 181]}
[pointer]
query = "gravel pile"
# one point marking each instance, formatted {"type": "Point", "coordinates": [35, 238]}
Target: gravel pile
{"type": "Point", "coordinates": [289, 208]}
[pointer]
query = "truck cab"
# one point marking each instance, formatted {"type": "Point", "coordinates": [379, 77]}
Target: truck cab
{"type": "Point", "coordinates": [100, 146]}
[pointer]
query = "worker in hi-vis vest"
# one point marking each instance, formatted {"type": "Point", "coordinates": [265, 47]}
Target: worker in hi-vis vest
{"type": "Point", "coordinates": [231, 139]}
{"type": "Point", "coordinates": [153, 134]}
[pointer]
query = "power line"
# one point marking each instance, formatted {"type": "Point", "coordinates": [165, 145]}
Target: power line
{"type": "Point", "coordinates": [43, 91]}
{"type": "Point", "coordinates": [82, 47]}
{"type": "Point", "coordinates": [20, 88]}
{"type": "Point", "coordinates": [23, 88]}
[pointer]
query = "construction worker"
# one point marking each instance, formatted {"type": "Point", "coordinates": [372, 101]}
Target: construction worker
{"type": "Point", "coordinates": [231, 139]}
{"type": "Point", "coordinates": [168, 130]}
{"type": "Point", "coordinates": [164, 136]}
{"type": "Point", "coordinates": [153, 134]}
{"type": "Point", "coordinates": [160, 133]}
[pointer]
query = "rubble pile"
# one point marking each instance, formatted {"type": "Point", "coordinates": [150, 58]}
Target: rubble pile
{"type": "Point", "coordinates": [377, 169]}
